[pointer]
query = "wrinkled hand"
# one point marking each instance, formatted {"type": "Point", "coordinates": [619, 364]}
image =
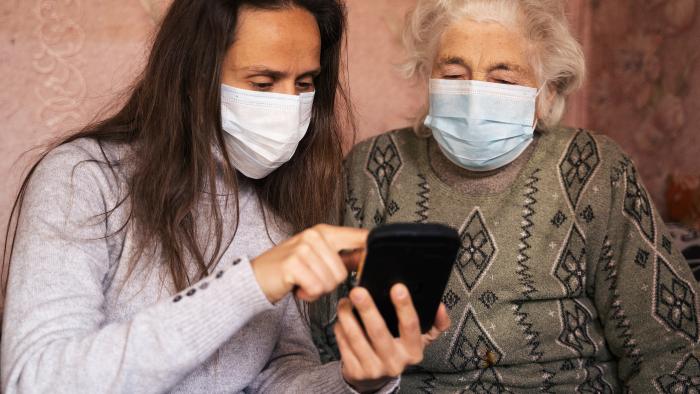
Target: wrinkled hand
{"type": "Point", "coordinates": [370, 360]}
{"type": "Point", "coordinates": [308, 263]}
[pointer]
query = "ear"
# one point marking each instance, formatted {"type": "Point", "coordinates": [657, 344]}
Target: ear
{"type": "Point", "coordinates": [545, 101]}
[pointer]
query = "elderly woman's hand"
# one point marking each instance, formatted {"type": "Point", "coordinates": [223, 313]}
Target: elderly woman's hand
{"type": "Point", "coordinates": [372, 356]}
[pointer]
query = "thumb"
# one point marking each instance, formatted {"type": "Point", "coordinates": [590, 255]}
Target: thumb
{"type": "Point", "coordinates": [442, 319]}
{"type": "Point", "coordinates": [442, 323]}
{"type": "Point", "coordinates": [352, 258]}
{"type": "Point", "coordinates": [344, 237]}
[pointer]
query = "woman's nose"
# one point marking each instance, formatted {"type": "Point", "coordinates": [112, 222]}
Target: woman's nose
{"type": "Point", "coordinates": [287, 87]}
{"type": "Point", "coordinates": [479, 76]}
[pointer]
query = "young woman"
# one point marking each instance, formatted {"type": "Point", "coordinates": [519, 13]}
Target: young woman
{"type": "Point", "coordinates": [130, 267]}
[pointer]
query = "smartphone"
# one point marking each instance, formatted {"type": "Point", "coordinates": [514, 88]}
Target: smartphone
{"type": "Point", "coordinates": [420, 256]}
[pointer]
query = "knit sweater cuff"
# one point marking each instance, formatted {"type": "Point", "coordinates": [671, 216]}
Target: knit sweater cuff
{"type": "Point", "coordinates": [389, 388]}
{"type": "Point", "coordinates": [337, 367]}
{"type": "Point", "coordinates": [211, 311]}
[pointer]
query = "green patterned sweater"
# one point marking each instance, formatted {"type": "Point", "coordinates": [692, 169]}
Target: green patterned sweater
{"type": "Point", "coordinates": [567, 281]}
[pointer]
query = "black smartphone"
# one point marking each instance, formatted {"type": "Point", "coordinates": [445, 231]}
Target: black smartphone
{"type": "Point", "coordinates": [418, 255]}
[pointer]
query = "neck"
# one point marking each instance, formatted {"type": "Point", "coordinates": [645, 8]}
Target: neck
{"type": "Point", "coordinates": [475, 182]}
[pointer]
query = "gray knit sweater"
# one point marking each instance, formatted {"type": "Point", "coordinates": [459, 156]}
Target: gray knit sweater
{"type": "Point", "coordinates": [73, 323]}
{"type": "Point", "coordinates": [566, 280]}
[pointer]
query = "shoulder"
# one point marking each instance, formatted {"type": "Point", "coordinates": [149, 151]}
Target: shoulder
{"type": "Point", "coordinates": [71, 153]}
{"type": "Point", "coordinates": [83, 165]}
{"type": "Point", "coordinates": [70, 190]}
{"type": "Point", "coordinates": [592, 161]}
{"type": "Point", "coordinates": [401, 145]}
{"type": "Point", "coordinates": [584, 146]}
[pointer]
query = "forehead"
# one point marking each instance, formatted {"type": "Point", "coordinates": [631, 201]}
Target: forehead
{"type": "Point", "coordinates": [269, 36]}
{"type": "Point", "coordinates": [479, 42]}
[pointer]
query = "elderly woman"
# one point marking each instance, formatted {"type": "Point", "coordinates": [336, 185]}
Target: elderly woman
{"type": "Point", "coordinates": [567, 279]}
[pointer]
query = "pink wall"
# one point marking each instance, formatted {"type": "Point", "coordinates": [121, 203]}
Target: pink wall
{"type": "Point", "coordinates": [61, 60]}
{"type": "Point", "coordinates": [645, 84]}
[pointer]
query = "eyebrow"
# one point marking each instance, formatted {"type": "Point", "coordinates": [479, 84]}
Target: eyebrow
{"type": "Point", "coordinates": [502, 66]}
{"type": "Point", "coordinates": [274, 74]}
{"type": "Point", "coordinates": [507, 67]}
{"type": "Point", "coordinates": [454, 60]}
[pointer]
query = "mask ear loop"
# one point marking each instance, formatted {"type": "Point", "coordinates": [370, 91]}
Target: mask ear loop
{"type": "Point", "coordinates": [537, 120]}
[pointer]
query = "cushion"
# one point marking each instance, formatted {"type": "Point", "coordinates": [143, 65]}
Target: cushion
{"type": "Point", "coordinates": [688, 242]}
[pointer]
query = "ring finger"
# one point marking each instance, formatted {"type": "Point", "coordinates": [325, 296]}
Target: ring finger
{"type": "Point", "coordinates": [356, 338]}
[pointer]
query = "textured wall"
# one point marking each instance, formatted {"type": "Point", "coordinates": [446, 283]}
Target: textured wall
{"type": "Point", "coordinates": [645, 84]}
{"type": "Point", "coordinates": [62, 60]}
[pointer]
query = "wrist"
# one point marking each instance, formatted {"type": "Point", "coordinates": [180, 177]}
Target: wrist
{"type": "Point", "coordinates": [366, 386]}
{"type": "Point", "coordinates": [269, 282]}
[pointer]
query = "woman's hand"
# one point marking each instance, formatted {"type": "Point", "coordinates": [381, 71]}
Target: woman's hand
{"type": "Point", "coordinates": [308, 262]}
{"type": "Point", "coordinates": [371, 359]}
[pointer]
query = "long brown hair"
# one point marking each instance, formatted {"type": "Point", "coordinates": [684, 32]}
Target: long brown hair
{"type": "Point", "coordinates": [172, 122]}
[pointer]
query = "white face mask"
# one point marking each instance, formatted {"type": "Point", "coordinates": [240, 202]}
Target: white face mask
{"type": "Point", "coordinates": [263, 129]}
{"type": "Point", "coordinates": [481, 126]}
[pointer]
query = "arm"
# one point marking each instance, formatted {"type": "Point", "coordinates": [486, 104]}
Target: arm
{"type": "Point", "coordinates": [645, 292]}
{"type": "Point", "coordinates": [55, 335]}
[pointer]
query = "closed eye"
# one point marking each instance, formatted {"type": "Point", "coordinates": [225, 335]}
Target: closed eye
{"type": "Point", "coordinates": [262, 86]}
{"type": "Point", "coordinates": [503, 81]}
{"type": "Point", "coordinates": [305, 86]}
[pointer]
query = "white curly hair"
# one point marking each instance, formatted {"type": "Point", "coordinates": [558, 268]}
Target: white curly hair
{"type": "Point", "coordinates": [555, 55]}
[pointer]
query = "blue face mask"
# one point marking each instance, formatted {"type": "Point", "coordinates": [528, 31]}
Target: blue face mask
{"type": "Point", "coordinates": [481, 126]}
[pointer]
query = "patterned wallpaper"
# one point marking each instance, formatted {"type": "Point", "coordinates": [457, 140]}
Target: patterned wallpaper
{"type": "Point", "coordinates": [63, 60]}
{"type": "Point", "coordinates": [644, 84]}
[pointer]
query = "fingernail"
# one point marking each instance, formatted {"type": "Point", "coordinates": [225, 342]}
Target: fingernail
{"type": "Point", "coordinates": [401, 291]}
{"type": "Point", "coordinates": [357, 296]}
